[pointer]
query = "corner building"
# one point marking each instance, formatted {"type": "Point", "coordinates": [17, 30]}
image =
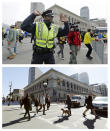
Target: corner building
{"type": "Point", "coordinates": [58, 86]}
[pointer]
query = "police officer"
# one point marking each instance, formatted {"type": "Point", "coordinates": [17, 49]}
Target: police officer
{"type": "Point", "coordinates": [44, 32]}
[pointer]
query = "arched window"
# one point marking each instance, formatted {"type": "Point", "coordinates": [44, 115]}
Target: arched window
{"type": "Point", "coordinates": [63, 83]}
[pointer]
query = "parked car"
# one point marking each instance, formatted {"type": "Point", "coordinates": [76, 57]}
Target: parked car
{"type": "Point", "coordinates": [78, 100]}
{"type": "Point", "coordinates": [100, 104]}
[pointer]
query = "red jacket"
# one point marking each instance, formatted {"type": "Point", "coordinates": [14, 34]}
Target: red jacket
{"type": "Point", "coordinates": [74, 38]}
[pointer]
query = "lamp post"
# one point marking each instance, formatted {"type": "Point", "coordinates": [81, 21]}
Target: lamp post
{"type": "Point", "coordinates": [10, 85]}
{"type": "Point", "coordinates": [45, 86]}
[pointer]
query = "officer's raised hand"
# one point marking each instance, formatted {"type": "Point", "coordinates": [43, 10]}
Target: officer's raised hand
{"type": "Point", "coordinates": [37, 13]}
{"type": "Point", "coordinates": [63, 18]}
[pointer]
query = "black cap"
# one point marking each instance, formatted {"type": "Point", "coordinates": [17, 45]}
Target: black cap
{"type": "Point", "coordinates": [47, 13]}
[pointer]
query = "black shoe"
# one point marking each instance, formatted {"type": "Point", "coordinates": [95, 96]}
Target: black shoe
{"type": "Point", "coordinates": [96, 117]}
{"type": "Point", "coordinates": [44, 114]}
{"type": "Point", "coordinates": [89, 57]}
{"type": "Point", "coordinates": [84, 115]}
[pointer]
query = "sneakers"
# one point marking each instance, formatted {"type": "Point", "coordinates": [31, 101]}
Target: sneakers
{"type": "Point", "coordinates": [11, 57]}
{"type": "Point", "coordinates": [62, 58]}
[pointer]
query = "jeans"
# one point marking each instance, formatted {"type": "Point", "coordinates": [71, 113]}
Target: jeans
{"type": "Point", "coordinates": [15, 47]}
{"type": "Point", "coordinates": [73, 54]}
{"type": "Point", "coordinates": [61, 46]}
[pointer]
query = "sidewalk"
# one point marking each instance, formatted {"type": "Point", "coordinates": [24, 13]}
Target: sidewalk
{"type": "Point", "coordinates": [24, 54]}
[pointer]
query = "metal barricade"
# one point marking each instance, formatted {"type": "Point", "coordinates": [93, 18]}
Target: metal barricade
{"type": "Point", "coordinates": [98, 46]}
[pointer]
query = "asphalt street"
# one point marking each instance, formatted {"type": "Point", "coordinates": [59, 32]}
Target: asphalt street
{"type": "Point", "coordinates": [12, 118]}
{"type": "Point", "coordinates": [24, 54]}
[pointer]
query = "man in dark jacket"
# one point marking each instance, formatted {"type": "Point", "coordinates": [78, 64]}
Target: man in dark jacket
{"type": "Point", "coordinates": [27, 106]}
{"type": "Point", "coordinates": [68, 102]}
{"type": "Point", "coordinates": [43, 49]}
{"type": "Point", "coordinates": [89, 105]}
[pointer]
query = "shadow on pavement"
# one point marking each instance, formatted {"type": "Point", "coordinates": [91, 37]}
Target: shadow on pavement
{"type": "Point", "coordinates": [20, 120]}
{"type": "Point", "coordinates": [7, 110]}
{"type": "Point", "coordinates": [61, 119]}
{"type": "Point", "coordinates": [90, 122]}
{"type": "Point", "coordinates": [11, 109]}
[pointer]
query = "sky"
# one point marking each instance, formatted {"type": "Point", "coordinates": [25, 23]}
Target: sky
{"type": "Point", "coordinates": [18, 10]}
{"type": "Point", "coordinates": [19, 75]}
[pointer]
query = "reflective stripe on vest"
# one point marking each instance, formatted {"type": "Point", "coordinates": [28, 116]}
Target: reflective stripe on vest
{"type": "Point", "coordinates": [45, 37]}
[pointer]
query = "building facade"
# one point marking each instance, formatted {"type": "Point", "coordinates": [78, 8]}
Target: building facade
{"type": "Point", "coordinates": [84, 24]}
{"type": "Point", "coordinates": [100, 89]}
{"type": "Point", "coordinates": [98, 22]}
{"type": "Point", "coordinates": [17, 94]}
{"type": "Point", "coordinates": [58, 86]}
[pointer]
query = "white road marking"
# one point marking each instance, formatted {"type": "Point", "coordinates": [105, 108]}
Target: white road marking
{"type": "Point", "coordinates": [51, 122]}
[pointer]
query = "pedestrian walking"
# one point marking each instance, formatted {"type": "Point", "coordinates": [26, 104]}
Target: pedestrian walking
{"type": "Point", "coordinates": [44, 33]}
{"type": "Point", "coordinates": [3, 35]}
{"type": "Point", "coordinates": [61, 42]}
{"type": "Point", "coordinates": [68, 102]}
{"type": "Point", "coordinates": [47, 101]}
{"type": "Point", "coordinates": [42, 103]}
{"type": "Point", "coordinates": [21, 102]}
{"type": "Point", "coordinates": [37, 103]}
{"type": "Point", "coordinates": [17, 38]}
{"type": "Point", "coordinates": [74, 42]}
{"type": "Point", "coordinates": [12, 38]}
{"type": "Point", "coordinates": [89, 105]}
{"type": "Point", "coordinates": [21, 36]}
{"type": "Point", "coordinates": [27, 106]}
{"type": "Point", "coordinates": [82, 35]}
{"type": "Point", "coordinates": [87, 42]}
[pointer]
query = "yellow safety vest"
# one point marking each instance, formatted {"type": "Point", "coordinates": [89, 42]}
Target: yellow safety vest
{"type": "Point", "coordinates": [45, 37]}
{"type": "Point", "coordinates": [105, 36]}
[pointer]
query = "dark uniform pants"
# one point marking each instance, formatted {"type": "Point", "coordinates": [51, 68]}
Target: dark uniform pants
{"type": "Point", "coordinates": [89, 49]}
{"type": "Point", "coordinates": [47, 58]}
